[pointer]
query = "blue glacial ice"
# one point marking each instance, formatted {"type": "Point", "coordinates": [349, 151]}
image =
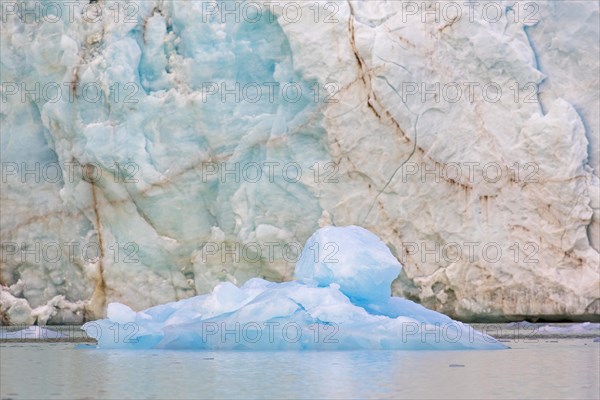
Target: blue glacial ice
{"type": "Point", "coordinates": [341, 300]}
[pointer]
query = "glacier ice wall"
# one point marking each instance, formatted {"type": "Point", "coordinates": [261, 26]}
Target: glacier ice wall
{"type": "Point", "coordinates": [150, 111]}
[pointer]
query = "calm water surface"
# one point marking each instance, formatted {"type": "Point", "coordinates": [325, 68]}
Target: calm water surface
{"type": "Point", "coordinates": [564, 368]}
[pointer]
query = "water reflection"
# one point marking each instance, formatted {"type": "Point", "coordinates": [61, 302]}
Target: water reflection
{"type": "Point", "coordinates": [563, 368]}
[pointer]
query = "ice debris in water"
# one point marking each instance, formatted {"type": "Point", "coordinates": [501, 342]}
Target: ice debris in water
{"type": "Point", "coordinates": [341, 301]}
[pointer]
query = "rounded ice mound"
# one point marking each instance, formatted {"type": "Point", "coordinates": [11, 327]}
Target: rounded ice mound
{"type": "Point", "coordinates": [354, 258]}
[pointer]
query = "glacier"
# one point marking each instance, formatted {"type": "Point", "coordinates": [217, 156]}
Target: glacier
{"type": "Point", "coordinates": [132, 142]}
{"type": "Point", "coordinates": [337, 304]}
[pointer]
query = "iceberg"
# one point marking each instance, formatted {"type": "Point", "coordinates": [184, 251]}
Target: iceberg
{"type": "Point", "coordinates": [341, 300]}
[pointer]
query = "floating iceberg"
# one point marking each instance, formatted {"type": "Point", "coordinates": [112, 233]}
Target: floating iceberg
{"type": "Point", "coordinates": [341, 301]}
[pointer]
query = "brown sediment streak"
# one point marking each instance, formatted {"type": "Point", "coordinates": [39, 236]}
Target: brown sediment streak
{"type": "Point", "coordinates": [74, 84]}
{"type": "Point", "coordinates": [449, 24]}
{"type": "Point", "coordinates": [372, 100]}
{"type": "Point", "coordinates": [64, 214]}
{"type": "Point", "coordinates": [379, 111]}
{"type": "Point", "coordinates": [98, 300]}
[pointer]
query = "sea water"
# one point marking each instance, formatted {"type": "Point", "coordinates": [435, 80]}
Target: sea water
{"type": "Point", "coordinates": [531, 368]}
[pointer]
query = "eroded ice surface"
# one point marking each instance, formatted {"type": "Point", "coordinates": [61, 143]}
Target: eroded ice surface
{"type": "Point", "coordinates": [342, 301]}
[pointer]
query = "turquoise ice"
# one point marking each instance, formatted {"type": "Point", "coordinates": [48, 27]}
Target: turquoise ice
{"type": "Point", "coordinates": [341, 301]}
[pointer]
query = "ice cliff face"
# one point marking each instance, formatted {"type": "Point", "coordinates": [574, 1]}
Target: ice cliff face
{"type": "Point", "coordinates": [153, 149]}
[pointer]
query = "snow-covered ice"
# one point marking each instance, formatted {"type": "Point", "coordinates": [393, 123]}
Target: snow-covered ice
{"type": "Point", "coordinates": [340, 302]}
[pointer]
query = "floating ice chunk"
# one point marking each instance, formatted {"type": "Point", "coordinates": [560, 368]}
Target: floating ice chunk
{"type": "Point", "coordinates": [339, 305]}
{"type": "Point", "coordinates": [352, 257]}
{"type": "Point", "coordinates": [568, 329]}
